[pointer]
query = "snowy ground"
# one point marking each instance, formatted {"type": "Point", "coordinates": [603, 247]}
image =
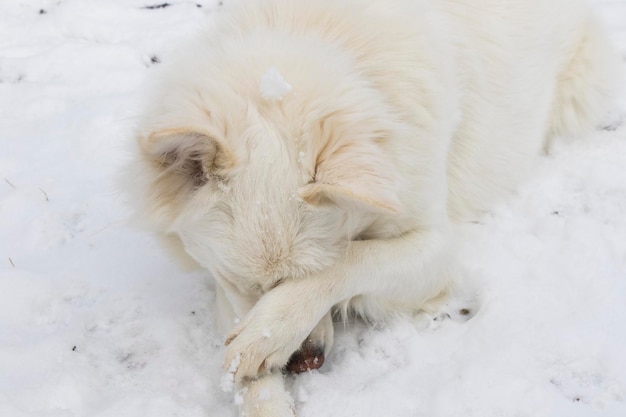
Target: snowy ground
{"type": "Point", "coordinates": [96, 321]}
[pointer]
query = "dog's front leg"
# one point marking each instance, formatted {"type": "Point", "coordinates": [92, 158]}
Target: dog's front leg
{"type": "Point", "coordinates": [407, 270]}
{"type": "Point", "coordinates": [265, 396]}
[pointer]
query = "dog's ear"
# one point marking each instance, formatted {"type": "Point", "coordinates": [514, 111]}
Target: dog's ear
{"type": "Point", "coordinates": [190, 153]}
{"type": "Point", "coordinates": [355, 174]}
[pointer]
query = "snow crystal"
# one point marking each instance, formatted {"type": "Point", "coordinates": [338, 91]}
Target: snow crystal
{"type": "Point", "coordinates": [273, 86]}
{"type": "Point", "coordinates": [239, 395]}
{"type": "Point", "coordinates": [227, 382]}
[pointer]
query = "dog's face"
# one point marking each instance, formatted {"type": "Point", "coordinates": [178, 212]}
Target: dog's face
{"type": "Point", "coordinates": [258, 198]}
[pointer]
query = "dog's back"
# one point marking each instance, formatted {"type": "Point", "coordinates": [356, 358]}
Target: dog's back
{"type": "Point", "coordinates": [478, 103]}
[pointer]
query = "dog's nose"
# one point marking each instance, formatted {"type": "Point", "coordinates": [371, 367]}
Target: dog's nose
{"type": "Point", "coordinates": [309, 356]}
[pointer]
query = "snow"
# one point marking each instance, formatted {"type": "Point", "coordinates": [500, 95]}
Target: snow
{"type": "Point", "coordinates": [228, 378]}
{"type": "Point", "coordinates": [95, 320]}
{"type": "Point", "coordinates": [273, 86]}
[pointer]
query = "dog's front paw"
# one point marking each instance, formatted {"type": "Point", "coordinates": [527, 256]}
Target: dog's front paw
{"type": "Point", "coordinates": [265, 340]}
{"type": "Point", "coordinates": [271, 332]}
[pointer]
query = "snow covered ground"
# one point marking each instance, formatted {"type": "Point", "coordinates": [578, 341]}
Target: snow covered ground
{"type": "Point", "coordinates": [96, 321]}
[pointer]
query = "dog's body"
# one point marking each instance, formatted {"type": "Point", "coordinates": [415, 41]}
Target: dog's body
{"type": "Point", "coordinates": [317, 154]}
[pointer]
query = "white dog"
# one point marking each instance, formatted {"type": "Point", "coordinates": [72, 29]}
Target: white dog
{"type": "Point", "coordinates": [316, 155]}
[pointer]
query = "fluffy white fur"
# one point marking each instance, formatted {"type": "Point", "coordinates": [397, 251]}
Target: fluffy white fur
{"type": "Point", "coordinates": [402, 118]}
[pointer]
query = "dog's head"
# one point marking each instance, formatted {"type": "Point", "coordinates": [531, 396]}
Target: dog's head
{"type": "Point", "coordinates": [261, 191]}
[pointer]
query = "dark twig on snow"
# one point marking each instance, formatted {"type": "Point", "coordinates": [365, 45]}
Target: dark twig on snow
{"type": "Point", "coordinates": [44, 194]}
{"type": "Point", "coordinates": [9, 182]}
{"type": "Point", "coordinates": [11, 262]}
{"type": "Point", "coordinates": [157, 6]}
